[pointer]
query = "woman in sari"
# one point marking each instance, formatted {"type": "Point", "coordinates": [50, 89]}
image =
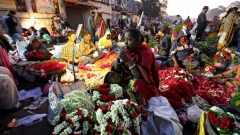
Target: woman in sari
{"type": "Point", "coordinates": [100, 25]}
{"type": "Point", "coordinates": [135, 68]}
{"type": "Point", "coordinates": [226, 30]}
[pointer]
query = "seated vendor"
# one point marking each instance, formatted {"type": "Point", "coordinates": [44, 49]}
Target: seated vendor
{"type": "Point", "coordinates": [105, 42]}
{"type": "Point", "coordinates": [164, 44]}
{"type": "Point", "coordinates": [36, 51]}
{"type": "Point", "coordinates": [9, 98]}
{"type": "Point", "coordinates": [230, 77]}
{"type": "Point", "coordinates": [184, 52]}
{"type": "Point", "coordinates": [68, 48]}
{"type": "Point", "coordinates": [136, 68]}
{"type": "Point", "coordinates": [88, 49]}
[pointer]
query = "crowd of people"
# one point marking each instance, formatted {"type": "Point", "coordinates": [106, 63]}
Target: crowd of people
{"type": "Point", "coordinates": [135, 66]}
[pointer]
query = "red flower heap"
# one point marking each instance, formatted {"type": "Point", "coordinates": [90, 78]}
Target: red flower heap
{"type": "Point", "coordinates": [211, 90]}
{"type": "Point", "coordinates": [176, 87]}
{"type": "Point", "coordinates": [48, 67]}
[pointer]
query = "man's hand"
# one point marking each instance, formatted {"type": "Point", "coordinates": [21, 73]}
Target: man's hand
{"type": "Point", "coordinates": [94, 48]}
{"type": "Point", "coordinates": [192, 55]}
{"type": "Point", "coordinates": [176, 65]}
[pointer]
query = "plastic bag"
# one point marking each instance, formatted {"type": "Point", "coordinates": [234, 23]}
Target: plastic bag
{"type": "Point", "coordinates": [194, 113]}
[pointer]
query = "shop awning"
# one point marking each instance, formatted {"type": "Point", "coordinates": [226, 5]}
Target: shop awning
{"type": "Point", "coordinates": [76, 2]}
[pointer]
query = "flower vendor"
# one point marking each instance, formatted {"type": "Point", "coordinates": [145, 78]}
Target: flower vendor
{"type": "Point", "coordinates": [164, 44]}
{"type": "Point", "coordinates": [136, 63]}
{"type": "Point", "coordinates": [105, 42]}
{"type": "Point", "coordinates": [226, 30]}
{"type": "Point", "coordinates": [88, 49]}
{"type": "Point", "coordinates": [184, 51]}
{"type": "Point", "coordinates": [230, 77]}
{"type": "Point", "coordinates": [67, 50]}
{"type": "Point", "coordinates": [9, 98]}
{"type": "Point", "coordinates": [36, 51]}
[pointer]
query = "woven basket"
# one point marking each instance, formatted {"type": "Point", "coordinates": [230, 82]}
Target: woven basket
{"type": "Point", "coordinates": [38, 73]}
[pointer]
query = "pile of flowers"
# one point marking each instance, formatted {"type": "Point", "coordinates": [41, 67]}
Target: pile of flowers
{"type": "Point", "coordinates": [106, 65]}
{"type": "Point", "coordinates": [106, 93]}
{"type": "Point", "coordinates": [224, 122]}
{"type": "Point", "coordinates": [211, 90]}
{"type": "Point", "coordinates": [84, 67]}
{"type": "Point", "coordinates": [47, 67]}
{"type": "Point", "coordinates": [175, 85]}
{"type": "Point", "coordinates": [209, 68]}
{"type": "Point", "coordinates": [118, 117]}
{"type": "Point", "coordinates": [224, 56]}
{"type": "Point", "coordinates": [102, 113]}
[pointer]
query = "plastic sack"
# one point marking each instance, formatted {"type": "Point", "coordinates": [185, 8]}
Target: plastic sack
{"type": "Point", "coordinates": [55, 106]}
{"type": "Point", "coordinates": [67, 77]}
{"type": "Point", "coordinates": [194, 113]}
{"type": "Point", "coordinates": [21, 47]}
{"type": "Point", "coordinates": [162, 119]}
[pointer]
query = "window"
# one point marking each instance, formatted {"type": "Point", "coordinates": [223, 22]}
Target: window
{"type": "Point", "coordinates": [20, 5]}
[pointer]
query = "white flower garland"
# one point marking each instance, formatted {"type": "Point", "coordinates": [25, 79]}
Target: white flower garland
{"type": "Point", "coordinates": [116, 90]}
{"type": "Point", "coordinates": [77, 99]}
{"type": "Point", "coordinates": [117, 109]}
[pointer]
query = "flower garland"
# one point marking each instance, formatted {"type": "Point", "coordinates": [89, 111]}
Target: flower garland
{"type": "Point", "coordinates": [84, 67]}
{"type": "Point", "coordinates": [211, 90]}
{"type": "Point", "coordinates": [47, 67]}
{"type": "Point", "coordinates": [236, 99]}
{"type": "Point", "coordinates": [119, 117]}
{"type": "Point", "coordinates": [106, 93]}
{"type": "Point", "coordinates": [77, 122]}
{"type": "Point", "coordinates": [77, 99]}
{"type": "Point", "coordinates": [224, 122]}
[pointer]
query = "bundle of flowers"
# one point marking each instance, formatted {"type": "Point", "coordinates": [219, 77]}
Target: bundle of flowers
{"type": "Point", "coordinates": [77, 99]}
{"type": "Point", "coordinates": [84, 67]}
{"type": "Point", "coordinates": [224, 56]}
{"type": "Point", "coordinates": [78, 122]}
{"type": "Point", "coordinates": [209, 68]}
{"type": "Point", "coordinates": [224, 122]}
{"type": "Point", "coordinates": [120, 117]}
{"type": "Point", "coordinates": [106, 93]}
{"type": "Point", "coordinates": [236, 99]}
{"type": "Point", "coordinates": [175, 85]}
{"type": "Point", "coordinates": [106, 65]}
{"type": "Point", "coordinates": [212, 90]}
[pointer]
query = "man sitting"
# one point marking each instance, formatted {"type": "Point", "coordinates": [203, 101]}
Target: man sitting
{"type": "Point", "coordinates": [88, 49]}
{"type": "Point", "coordinates": [67, 50]}
{"type": "Point", "coordinates": [184, 51]}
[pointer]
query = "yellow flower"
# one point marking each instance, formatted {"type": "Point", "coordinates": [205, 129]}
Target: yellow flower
{"type": "Point", "coordinates": [237, 103]}
{"type": "Point", "coordinates": [233, 55]}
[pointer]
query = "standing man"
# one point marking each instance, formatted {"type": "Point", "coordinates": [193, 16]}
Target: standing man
{"type": "Point", "coordinates": [91, 26]}
{"type": "Point", "coordinates": [9, 25]}
{"type": "Point", "coordinates": [202, 23]}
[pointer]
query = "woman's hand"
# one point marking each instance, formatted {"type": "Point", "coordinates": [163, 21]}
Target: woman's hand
{"type": "Point", "coordinates": [124, 56]}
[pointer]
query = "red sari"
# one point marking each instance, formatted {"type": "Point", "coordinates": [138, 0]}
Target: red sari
{"type": "Point", "coordinates": [144, 59]}
{"type": "Point", "coordinates": [4, 60]}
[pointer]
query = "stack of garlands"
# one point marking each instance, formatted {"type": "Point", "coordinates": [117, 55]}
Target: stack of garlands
{"type": "Point", "coordinates": [112, 116]}
{"type": "Point", "coordinates": [212, 90]}
{"type": "Point", "coordinates": [224, 122]}
{"type": "Point", "coordinates": [175, 85]}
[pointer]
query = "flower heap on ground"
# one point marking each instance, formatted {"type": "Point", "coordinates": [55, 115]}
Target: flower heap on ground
{"type": "Point", "coordinates": [212, 90]}
{"type": "Point", "coordinates": [225, 122]}
{"type": "Point", "coordinates": [175, 85]}
{"type": "Point", "coordinates": [103, 113]}
{"type": "Point", "coordinates": [224, 56]}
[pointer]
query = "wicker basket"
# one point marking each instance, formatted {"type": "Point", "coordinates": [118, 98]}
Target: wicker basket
{"type": "Point", "coordinates": [38, 73]}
